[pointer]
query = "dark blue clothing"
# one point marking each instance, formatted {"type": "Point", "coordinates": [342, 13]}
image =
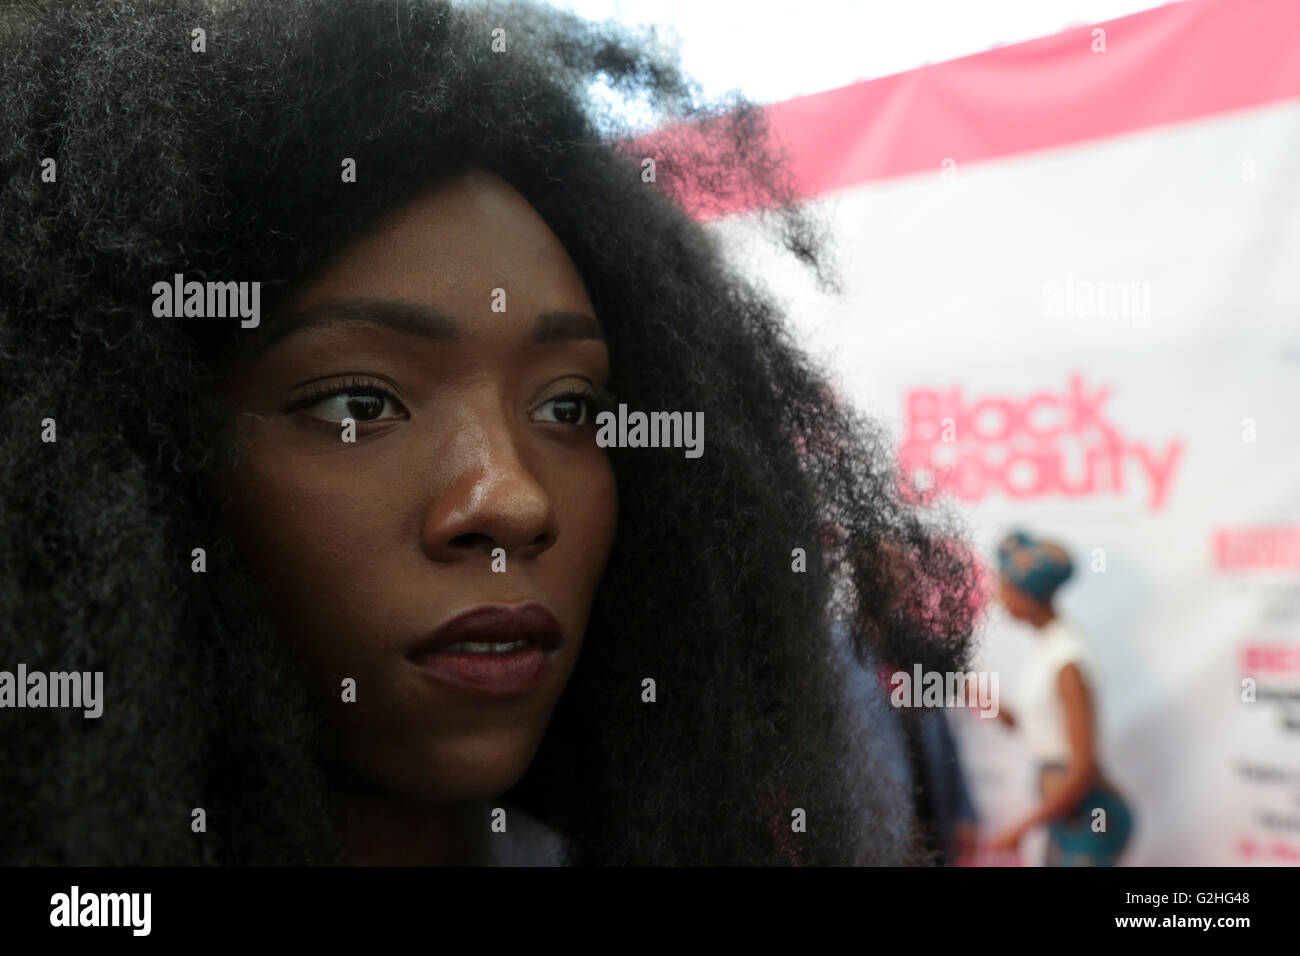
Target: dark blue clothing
{"type": "Point", "coordinates": [916, 746]}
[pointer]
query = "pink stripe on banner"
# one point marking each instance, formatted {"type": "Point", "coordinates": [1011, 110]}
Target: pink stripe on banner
{"type": "Point", "coordinates": [1176, 63]}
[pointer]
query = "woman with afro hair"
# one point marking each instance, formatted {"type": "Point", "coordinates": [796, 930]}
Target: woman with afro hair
{"type": "Point", "coordinates": [310, 309]}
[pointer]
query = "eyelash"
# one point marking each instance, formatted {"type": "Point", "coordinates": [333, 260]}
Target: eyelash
{"type": "Point", "coordinates": [596, 400]}
{"type": "Point", "coordinates": [354, 387]}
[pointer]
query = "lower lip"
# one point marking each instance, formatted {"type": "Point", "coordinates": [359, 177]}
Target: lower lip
{"type": "Point", "coordinates": [512, 674]}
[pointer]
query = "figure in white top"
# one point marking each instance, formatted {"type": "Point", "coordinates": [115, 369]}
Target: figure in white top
{"type": "Point", "coordinates": [1088, 821]}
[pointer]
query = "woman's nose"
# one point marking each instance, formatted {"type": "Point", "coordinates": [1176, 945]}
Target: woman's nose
{"type": "Point", "coordinates": [490, 498]}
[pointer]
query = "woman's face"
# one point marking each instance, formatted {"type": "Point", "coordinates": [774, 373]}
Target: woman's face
{"type": "Point", "coordinates": [1018, 604]}
{"type": "Point", "coordinates": [460, 340]}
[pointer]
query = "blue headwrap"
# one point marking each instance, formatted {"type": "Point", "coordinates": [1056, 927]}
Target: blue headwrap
{"type": "Point", "coordinates": [1033, 565]}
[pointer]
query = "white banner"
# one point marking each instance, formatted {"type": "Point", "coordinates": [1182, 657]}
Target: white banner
{"type": "Point", "coordinates": [1110, 332]}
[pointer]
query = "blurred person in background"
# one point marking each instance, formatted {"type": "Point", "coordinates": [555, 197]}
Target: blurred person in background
{"type": "Point", "coordinates": [943, 803]}
{"type": "Point", "coordinates": [1088, 821]}
{"type": "Point", "coordinates": [921, 758]}
{"type": "Point", "coordinates": [914, 747]}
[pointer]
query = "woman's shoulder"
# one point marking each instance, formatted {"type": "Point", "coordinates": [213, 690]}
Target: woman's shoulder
{"type": "Point", "coordinates": [1063, 645]}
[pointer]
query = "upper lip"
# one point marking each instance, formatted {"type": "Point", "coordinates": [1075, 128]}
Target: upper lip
{"type": "Point", "coordinates": [497, 624]}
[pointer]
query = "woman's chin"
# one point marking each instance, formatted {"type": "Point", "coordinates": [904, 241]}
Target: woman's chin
{"type": "Point", "coordinates": [446, 778]}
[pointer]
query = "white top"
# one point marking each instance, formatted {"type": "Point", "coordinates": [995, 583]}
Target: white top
{"type": "Point", "coordinates": [1041, 711]}
{"type": "Point", "coordinates": [526, 842]}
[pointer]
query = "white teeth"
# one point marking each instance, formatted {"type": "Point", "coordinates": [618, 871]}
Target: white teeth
{"type": "Point", "coordinates": [472, 647]}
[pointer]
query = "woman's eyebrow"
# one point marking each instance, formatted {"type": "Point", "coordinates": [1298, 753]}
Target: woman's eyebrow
{"type": "Point", "coordinates": [560, 326]}
{"type": "Point", "coordinates": [425, 321]}
{"type": "Point", "coordinates": [422, 320]}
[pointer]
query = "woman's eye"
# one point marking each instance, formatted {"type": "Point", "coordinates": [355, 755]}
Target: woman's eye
{"type": "Point", "coordinates": [574, 409]}
{"type": "Point", "coordinates": [358, 404]}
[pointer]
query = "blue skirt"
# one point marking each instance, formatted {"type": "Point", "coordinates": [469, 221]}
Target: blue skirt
{"type": "Point", "coordinates": [1095, 833]}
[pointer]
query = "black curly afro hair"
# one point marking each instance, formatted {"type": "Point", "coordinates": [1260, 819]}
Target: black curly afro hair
{"type": "Point", "coordinates": [226, 163]}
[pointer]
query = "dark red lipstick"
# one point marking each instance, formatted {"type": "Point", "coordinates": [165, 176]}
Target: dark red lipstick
{"type": "Point", "coordinates": [497, 650]}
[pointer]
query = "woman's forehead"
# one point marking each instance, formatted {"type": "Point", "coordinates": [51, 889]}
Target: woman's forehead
{"type": "Point", "coordinates": [469, 244]}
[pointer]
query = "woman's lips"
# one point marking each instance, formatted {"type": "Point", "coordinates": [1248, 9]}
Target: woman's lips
{"type": "Point", "coordinates": [458, 653]}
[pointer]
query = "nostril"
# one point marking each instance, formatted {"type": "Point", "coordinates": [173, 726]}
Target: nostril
{"type": "Point", "coordinates": [470, 541]}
